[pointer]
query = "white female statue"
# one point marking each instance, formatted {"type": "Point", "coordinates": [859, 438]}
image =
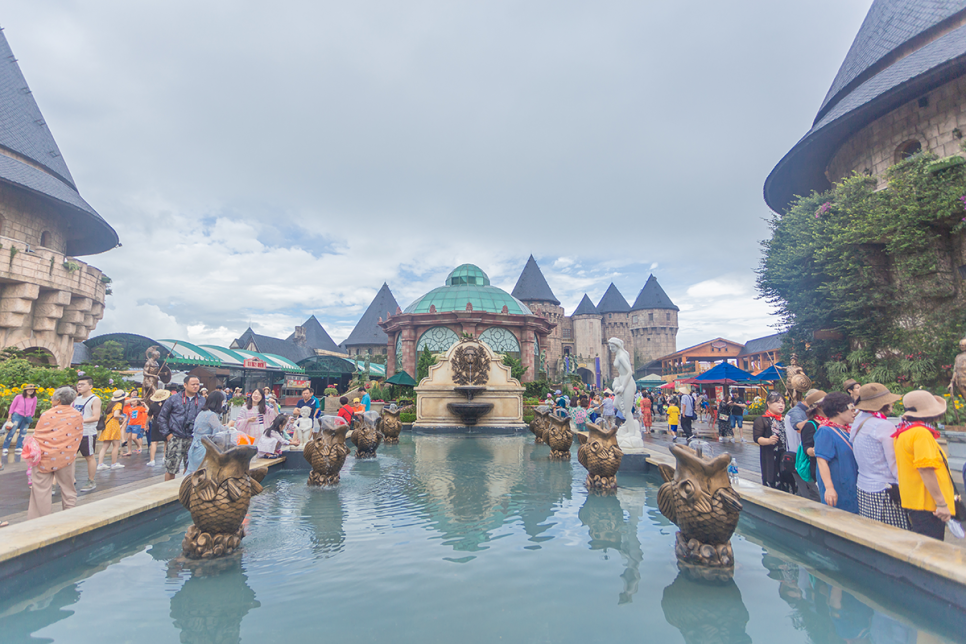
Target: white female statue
{"type": "Point", "coordinates": [625, 389]}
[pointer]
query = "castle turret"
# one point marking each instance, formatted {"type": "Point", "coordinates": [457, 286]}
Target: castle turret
{"type": "Point", "coordinates": [653, 324]}
{"type": "Point", "coordinates": [533, 290]}
{"type": "Point", "coordinates": [614, 323]}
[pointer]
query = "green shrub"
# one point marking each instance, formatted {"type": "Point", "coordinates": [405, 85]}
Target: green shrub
{"type": "Point", "coordinates": [407, 417]}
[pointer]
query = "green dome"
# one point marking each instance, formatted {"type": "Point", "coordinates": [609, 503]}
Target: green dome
{"type": "Point", "coordinates": [467, 274]}
{"type": "Point", "coordinates": [467, 284]}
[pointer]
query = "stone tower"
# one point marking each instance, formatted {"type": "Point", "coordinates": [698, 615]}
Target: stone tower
{"type": "Point", "coordinates": [533, 290]}
{"type": "Point", "coordinates": [587, 332]}
{"type": "Point", "coordinates": [614, 314]}
{"type": "Point", "coordinates": [653, 324]}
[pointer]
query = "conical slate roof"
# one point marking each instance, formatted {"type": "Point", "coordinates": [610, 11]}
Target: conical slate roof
{"type": "Point", "coordinates": [904, 50]}
{"type": "Point", "coordinates": [316, 336]}
{"type": "Point", "coordinates": [36, 164]}
{"type": "Point", "coordinates": [532, 286]}
{"type": "Point", "coordinates": [586, 307]}
{"type": "Point", "coordinates": [652, 296]}
{"type": "Point", "coordinates": [268, 344]}
{"type": "Point", "coordinates": [613, 301]}
{"type": "Point", "coordinates": [367, 330]}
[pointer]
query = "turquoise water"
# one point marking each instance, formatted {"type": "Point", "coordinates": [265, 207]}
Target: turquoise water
{"type": "Point", "coordinates": [448, 539]}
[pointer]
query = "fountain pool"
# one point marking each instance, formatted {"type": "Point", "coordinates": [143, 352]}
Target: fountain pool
{"type": "Point", "coordinates": [444, 539]}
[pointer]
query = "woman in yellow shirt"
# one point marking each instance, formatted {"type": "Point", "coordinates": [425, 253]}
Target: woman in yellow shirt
{"type": "Point", "coordinates": [925, 486]}
{"type": "Point", "coordinates": [673, 416]}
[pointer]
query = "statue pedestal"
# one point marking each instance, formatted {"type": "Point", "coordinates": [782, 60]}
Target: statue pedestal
{"type": "Point", "coordinates": [629, 435]}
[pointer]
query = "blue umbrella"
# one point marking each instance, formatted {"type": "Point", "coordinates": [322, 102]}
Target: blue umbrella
{"type": "Point", "coordinates": [770, 374]}
{"type": "Point", "coordinates": [725, 371]}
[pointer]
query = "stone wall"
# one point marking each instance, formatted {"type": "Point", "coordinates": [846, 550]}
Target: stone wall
{"type": "Point", "coordinates": [654, 333]}
{"type": "Point", "coordinates": [45, 304]}
{"type": "Point", "coordinates": [873, 149]}
{"type": "Point", "coordinates": [555, 315]}
{"type": "Point", "coordinates": [614, 325]}
{"type": "Point", "coordinates": [26, 217]}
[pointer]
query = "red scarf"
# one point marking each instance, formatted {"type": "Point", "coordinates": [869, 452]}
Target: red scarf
{"type": "Point", "coordinates": [879, 415]}
{"type": "Point", "coordinates": [904, 425]}
{"type": "Point", "coordinates": [771, 414]}
{"type": "Point", "coordinates": [831, 423]}
{"type": "Point", "coordinates": [820, 420]}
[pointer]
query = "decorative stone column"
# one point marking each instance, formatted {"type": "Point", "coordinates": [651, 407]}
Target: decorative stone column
{"type": "Point", "coordinates": [409, 350]}
{"type": "Point", "coordinates": [391, 357]}
{"type": "Point", "coordinates": [526, 354]}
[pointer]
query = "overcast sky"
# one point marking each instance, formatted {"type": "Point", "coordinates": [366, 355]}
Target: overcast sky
{"type": "Point", "coordinates": [265, 161]}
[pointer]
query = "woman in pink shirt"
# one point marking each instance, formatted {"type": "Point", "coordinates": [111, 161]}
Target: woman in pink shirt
{"type": "Point", "coordinates": [256, 415]}
{"type": "Point", "coordinates": [21, 413]}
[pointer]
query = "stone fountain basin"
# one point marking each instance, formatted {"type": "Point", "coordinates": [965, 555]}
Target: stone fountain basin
{"type": "Point", "coordinates": [469, 412]}
{"type": "Point", "coordinates": [468, 391]}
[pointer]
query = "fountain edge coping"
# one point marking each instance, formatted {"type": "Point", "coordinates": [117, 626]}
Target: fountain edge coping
{"type": "Point", "coordinates": [937, 557]}
{"type": "Point", "coordinates": [34, 534]}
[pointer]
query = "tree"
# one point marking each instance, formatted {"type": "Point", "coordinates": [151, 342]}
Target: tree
{"type": "Point", "coordinates": [109, 355]}
{"type": "Point", "coordinates": [426, 360]}
{"type": "Point", "coordinates": [516, 367]}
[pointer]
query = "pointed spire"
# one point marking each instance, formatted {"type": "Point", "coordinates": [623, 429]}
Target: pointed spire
{"type": "Point", "coordinates": [652, 296]}
{"type": "Point", "coordinates": [586, 307]}
{"type": "Point", "coordinates": [613, 301]}
{"type": "Point", "coordinates": [532, 285]}
{"type": "Point", "coordinates": [367, 330]}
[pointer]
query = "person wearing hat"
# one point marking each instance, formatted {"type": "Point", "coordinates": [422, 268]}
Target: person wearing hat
{"type": "Point", "coordinates": [878, 483]}
{"type": "Point", "coordinates": [21, 412]}
{"type": "Point", "coordinates": [114, 425]}
{"type": "Point", "coordinates": [852, 387]}
{"type": "Point", "coordinates": [357, 406]}
{"type": "Point", "coordinates": [835, 456]}
{"type": "Point", "coordinates": [925, 482]}
{"type": "Point", "coordinates": [154, 428]}
{"type": "Point", "coordinates": [808, 489]}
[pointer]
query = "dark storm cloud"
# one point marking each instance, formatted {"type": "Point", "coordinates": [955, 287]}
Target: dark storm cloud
{"type": "Point", "coordinates": [292, 157]}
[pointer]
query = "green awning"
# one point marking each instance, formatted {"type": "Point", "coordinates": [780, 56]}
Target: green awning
{"type": "Point", "coordinates": [402, 378]}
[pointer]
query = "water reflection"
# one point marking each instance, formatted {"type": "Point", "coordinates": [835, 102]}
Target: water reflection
{"type": "Point", "coordinates": [210, 606]}
{"type": "Point", "coordinates": [471, 488]}
{"type": "Point", "coordinates": [603, 516]}
{"type": "Point", "coordinates": [706, 613]}
{"type": "Point", "coordinates": [830, 614]}
{"type": "Point", "coordinates": [323, 512]}
{"type": "Point", "coordinates": [17, 624]}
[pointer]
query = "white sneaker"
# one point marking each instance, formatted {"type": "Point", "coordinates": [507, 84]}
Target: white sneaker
{"type": "Point", "coordinates": [150, 463]}
{"type": "Point", "coordinates": [117, 466]}
{"type": "Point", "coordinates": [102, 467]}
{"type": "Point", "coordinates": [18, 450]}
{"type": "Point", "coordinates": [5, 451]}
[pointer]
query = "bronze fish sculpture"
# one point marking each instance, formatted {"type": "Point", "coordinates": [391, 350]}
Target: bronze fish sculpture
{"type": "Point", "coordinates": [601, 455]}
{"type": "Point", "coordinates": [365, 434]}
{"type": "Point", "coordinates": [217, 495]}
{"type": "Point", "coordinates": [697, 497]}
{"type": "Point", "coordinates": [559, 437]}
{"type": "Point", "coordinates": [390, 425]}
{"type": "Point", "coordinates": [327, 451]}
{"type": "Point", "coordinates": [540, 424]}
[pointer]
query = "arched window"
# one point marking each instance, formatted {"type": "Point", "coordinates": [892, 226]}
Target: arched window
{"type": "Point", "coordinates": [437, 339]}
{"type": "Point", "coordinates": [501, 340]}
{"type": "Point", "coordinates": [399, 363]}
{"type": "Point", "coordinates": [45, 239]}
{"type": "Point", "coordinates": [908, 149]}
{"type": "Point", "coordinates": [2, 224]}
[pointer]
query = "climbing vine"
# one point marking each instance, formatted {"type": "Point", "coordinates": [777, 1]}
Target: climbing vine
{"type": "Point", "coordinates": [867, 280]}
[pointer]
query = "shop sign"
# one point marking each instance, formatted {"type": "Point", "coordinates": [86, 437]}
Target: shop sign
{"type": "Point", "coordinates": [254, 363]}
{"type": "Point", "coordinates": [296, 382]}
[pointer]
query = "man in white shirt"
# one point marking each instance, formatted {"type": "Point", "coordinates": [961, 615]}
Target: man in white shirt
{"type": "Point", "coordinates": [89, 406]}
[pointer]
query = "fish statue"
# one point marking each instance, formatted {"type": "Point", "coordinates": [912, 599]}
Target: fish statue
{"type": "Point", "coordinates": [601, 455]}
{"type": "Point", "coordinates": [365, 434]}
{"type": "Point", "coordinates": [217, 495]}
{"type": "Point", "coordinates": [390, 425]}
{"type": "Point", "coordinates": [540, 424]}
{"type": "Point", "coordinates": [559, 437]}
{"type": "Point", "coordinates": [327, 451]}
{"type": "Point", "coordinates": [698, 498]}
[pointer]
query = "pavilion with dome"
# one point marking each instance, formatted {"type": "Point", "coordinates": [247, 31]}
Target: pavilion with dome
{"type": "Point", "coordinates": [466, 304]}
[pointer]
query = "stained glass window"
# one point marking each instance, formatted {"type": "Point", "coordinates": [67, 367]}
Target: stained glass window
{"type": "Point", "coordinates": [501, 340]}
{"type": "Point", "coordinates": [399, 362]}
{"type": "Point", "coordinates": [437, 339]}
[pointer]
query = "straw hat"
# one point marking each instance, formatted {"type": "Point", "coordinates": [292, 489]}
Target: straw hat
{"type": "Point", "coordinates": [160, 395]}
{"type": "Point", "coordinates": [873, 397]}
{"type": "Point", "coordinates": [119, 394]}
{"type": "Point", "coordinates": [814, 397]}
{"type": "Point", "coordinates": [922, 404]}
{"type": "Point", "coordinates": [29, 386]}
{"type": "Point", "coordinates": [848, 384]}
